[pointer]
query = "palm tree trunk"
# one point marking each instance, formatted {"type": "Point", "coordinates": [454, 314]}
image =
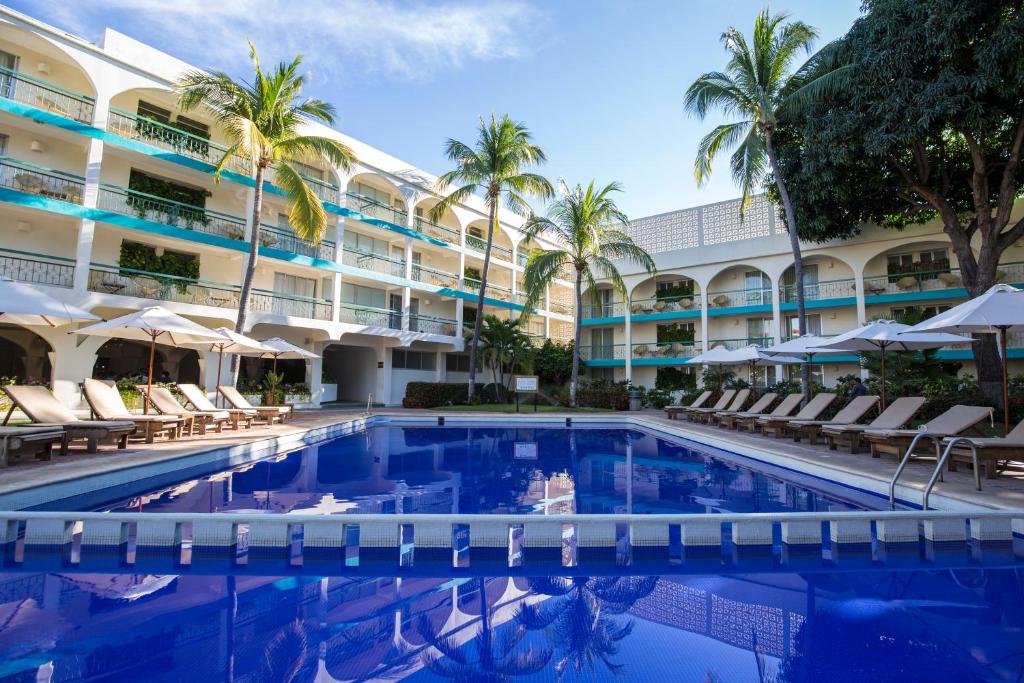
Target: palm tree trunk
{"type": "Point", "coordinates": [492, 218]}
{"type": "Point", "coordinates": [577, 334]}
{"type": "Point", "coordinates": [798, 264]}
{"type": "Point", "coordinates": [250, 268]}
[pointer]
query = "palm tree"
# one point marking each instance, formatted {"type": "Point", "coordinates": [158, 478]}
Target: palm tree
{"type": "Point", "coordinates": [263, 121]}
{"type": "Point", "coordinates": [494, 167]}
{"type": "Point", "coordinates": [757, 87]}
{"type": "Point", "coordinates": [591, 232]}
{"type": "Point", "coordinates": [503, 345]}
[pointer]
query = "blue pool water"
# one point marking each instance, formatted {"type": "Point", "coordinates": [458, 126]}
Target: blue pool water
{"type": "Point", "coordinates": [935, 615]}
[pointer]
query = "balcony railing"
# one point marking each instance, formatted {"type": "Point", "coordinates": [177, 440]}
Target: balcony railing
{"type": "Point", "coordinates": [44, 95]}
{"type": "Point", "coordinates": [433, 276]}
{"type": "Point", "coordinates": [740, 297]}
{"type": "Point", "coordinates": [107, 279]}
{"type": "Point", "coordinates": [286, 240]}
{"type": "Point", "coordinates": [675, 304]}
{"type": "Point", "coordinates": [377, 263]}
{"type": "Point", "coordinates": [560, 307]}
{"type": "Point", "coordinates": [159, 210]}
{"type": "Point", "coordinates": [432, 325]}
{"type": "Point", "coordinates": [479, 244]}
{"type": "Point", "coordinates": [609, 310]}
{"type": "Point", "coordinates": [45, 182]}
{"type": "Point", "coordinates": [602, 351]}
{"type": "Point", "coordinates": [292, 305]}
{"type": "Point", "coordinates": [493, 291]}
{"type": "Point", "coordinates": [933, 280]}
{"type": "Point", "coordinates": [819, 291]}
{"type": "Point", "coordinates": [39, 269]}
{"type": "Point", "coordinates": [679, 349]}
{"type": "Point", "coordinates": [171, 138]}
{"type": "Point", "coordinates": [327, 192]}
{"type": "Point", "coordinates": [733, 344]}
{"type": "Point", "coordinates": [441, 232]}
{"type": "Point", "coordinates": [376, 209]}
{"type": "Point", "coordinates": [367, 315]}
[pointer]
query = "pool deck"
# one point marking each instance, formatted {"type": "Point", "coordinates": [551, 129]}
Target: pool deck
{"type": "Point", "coordinates": [957, 491]}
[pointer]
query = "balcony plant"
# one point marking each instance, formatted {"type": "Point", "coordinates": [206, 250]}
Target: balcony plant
{"type": "Point", "coordinates": [142, 257]}
{"type": "Point", "coordinates": [273, 389]}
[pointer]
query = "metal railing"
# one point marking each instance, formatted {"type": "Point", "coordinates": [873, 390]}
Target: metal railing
{"type": "Point", "coordinates": [493, 291]}
{"type": "Point", "coordinates": [174, 139]}
{"type": "Point", "coordinates": [689, 302]}
{"type": "Point", "coordinates": [933, 280]}
{"type": "Point", "coordinates": [377, 263]}
{"type": "Point", "coordinates": [159, 210]}
{"type": "Point", "coordinates": [108, 279]}
{"type": "Point", "coordinates": [39, 269]}
{"type": "Point", "coordinates": [45, 182]}
{"type": "Point", "coordinates": [441, 232]}
{"type": "Point", "coordinates": [47, 96]}
{"type": "Point", "coordinates": [367, 315]}
{"type": "Point", "coordinates": [733, 344]}
{"type": "Point", "coordinates": [325, 191]}
{"type": "Point", "coordinates": [480, 244]}
{"type": "Point", "coordinates": [602, 351]}
{"type": "Point", "coordinates": [286, 240]}
{"type": "Point", "coordinates": [818, 291]}
{"type": "Point", "coordinates": [376, 209]}
{"type": "Point", "coordinates": [732, 298]}
{"type": "Point", "coordinates": [432, 276]}
{"type": "Point", "coordinates": [292, 305]}
{"type": "Point", "coordinates": [609, 310]}
{"type": "Point", "coordinates": [432, 324]}
{"type": "Point", "coordinates": [678, 349]}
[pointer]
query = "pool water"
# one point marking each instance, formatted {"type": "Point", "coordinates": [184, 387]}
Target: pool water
{"type": "Point", "coordinates": [532, 470]}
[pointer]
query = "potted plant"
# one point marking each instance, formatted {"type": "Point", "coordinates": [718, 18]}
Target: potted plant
{"type": "Point", "coordinates": [273, 393]}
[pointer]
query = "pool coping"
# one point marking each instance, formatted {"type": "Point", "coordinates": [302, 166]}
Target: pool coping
{"type": "Point", "coordinates": [57, 485]}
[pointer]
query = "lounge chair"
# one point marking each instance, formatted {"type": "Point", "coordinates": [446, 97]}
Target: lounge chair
{"type": "Point", "coordinates": [722, 404]}
{"type": "Point", "coordinates": [778, 425]}
{"type": "Point", "coordinates": [724, 417]}
{"type": "Point", "coordinates": [43, 408]}
{"type": "Point", "coordinates": [196, 397]}
{"type": "Point", "coordinates": [850, 414]}
{"type": "Point", "coordinates": [38, 439]}
{"type": "Point", "coordinates": [987, 451]}
{"type": "Point", "coordinates": [737, 404]}
{"type": "Point", "coordinates": [673, 410]}
{"type": "Point", "coordinates": [268, 413]}
{"type": "Point", "coordinates": [895, 416]}
{"type": "Point", "coordinates": [784, 409]}
{"type": "Point", "coordinates": [106, 403]}
{"type": "Point", "coordinates": [951, 423]}
{"type": "Point", "coordinates": [163, 400]}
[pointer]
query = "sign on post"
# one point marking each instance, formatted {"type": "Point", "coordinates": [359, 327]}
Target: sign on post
{"type": "Point", "coordinates": [526, 384]}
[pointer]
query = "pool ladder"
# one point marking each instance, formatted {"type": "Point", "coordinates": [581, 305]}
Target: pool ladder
{"type": "Point", "coordinates": [940, 461]}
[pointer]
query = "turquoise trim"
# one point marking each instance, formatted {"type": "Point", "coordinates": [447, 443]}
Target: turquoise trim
{"type": "Point", "coordinates": [659, 361]}
{"type": "Point", "coordinates": [669, 315]}
{"type": "Point", "coordinates": [739, 310]}
{"type": "Point", "coordinates": [606, 363]}
{"type": "Point", "coordinates": [968, 355]}
{"type": "Point", "coordinates": [952, 293]}
{"type": "Point", "coordinates": [380, 223]}
{"type": "Point", "coordinates": [614, 320]}
{"type": "Point", "coordinates": [821, 303]}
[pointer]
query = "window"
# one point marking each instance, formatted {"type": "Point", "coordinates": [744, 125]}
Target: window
{"type": "Point", "coordinates": [675, 288]}
{"type": "Point", "coordinates": [456, 362]}
{"type": "Point", "coordinates": [606, 374]}
{"type": "Point", "coordinates": [925, 265]}
{"type": "Point", "coordinates": [307, 170]}
{"type": "Point", "coordinates": [293, 284]}
{"type": "Point", "coordinates": [813, 325]}
{"type": "Point", "coordinates": [758, 288]}
{"type": "Point", "coordinates": [676, 332]}
{"type": "Point", "coordinates": [916, 314]}
{"type": "Point", "coordinates": [373, 193]}
{"type": "Point", "coordinates": [355, 241]}
{"type": "Point", "coordinates": [151, 111]}
{"type": "Point", "coordinates": [413, 360]}
{"type": "Point", "coordinates": [602, 341]}
{"type": "Point", "coordinates": [817, 373]}
{"type": "Point", "coordinates": [362, 296]}
{"type": "Point", "coordinates": [3, 145]}
{"type": "Point", "coordinates": [7, 82]}
{"type": "Point", "coordinates": [197, 128]}
{"type": "Point", "coordinates": [759, 331]}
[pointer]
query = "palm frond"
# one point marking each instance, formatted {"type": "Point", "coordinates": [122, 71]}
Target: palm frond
{"type": "Point", "coordinates": [304, 148]}
{"type": "Point", "coordinates": [306, 214]}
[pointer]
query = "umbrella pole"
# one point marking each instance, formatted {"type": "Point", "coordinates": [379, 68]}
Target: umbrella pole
{"type": "Point", "coordinates": [275, 364]}
{"type": "Point", "coordinates": [149, 379]}
{"type": "Point", "coordinates": [1006, 383]}
{"type": "Point", "coordinates": [883, 378]}
{"type": "Point", "coordinates": [220, 362]}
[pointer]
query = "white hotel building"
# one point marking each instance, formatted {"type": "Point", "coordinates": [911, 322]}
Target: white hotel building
{"type": "Point", "coordinates": [100, 173]}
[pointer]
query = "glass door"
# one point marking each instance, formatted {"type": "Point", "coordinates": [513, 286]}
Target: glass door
{"type": "Point", "coordinates": [9, 64]}
{"type": "Point", "coordinates": [287, 287]}
{"type": "Point", "coordinates": [757, 287]}
{"type": "Point", "coordinates": [395, 306]}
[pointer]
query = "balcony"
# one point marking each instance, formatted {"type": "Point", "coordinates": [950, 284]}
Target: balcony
{"type": "Point", "coordinates": [291, 305]}
{"type": "Point", "coordinates": [740, 298]}
{"type": "Point", "coordinates": [433, 276]}
{"type": "Point", "coordinates": [325, 191]}
{"type": "Point", "coordinates": [614, 309]}
{"type": "Point", "coordinates": [45, 182]}
{"type": "Point", "coordinates": [733, 344]}
{"type": "Point", "coordinates": [820, 291]}
{"type": "Point", "coordinates": [679, 304]}
{"type": "Point", "coordinates": [37, 269]}
{"type": "Point", "coordinates": [376, 209]}
{"type": "Point", "coordinates": [560, 307]}
{"type": "Point", "coordinates": [286, 240]}
{"type": "Point", "coordinates": [159, 210]}
{"type": "Point", "coordinates": [931, 283]}
{"type": "Point", "coordinates": [493, 291]}
{"type": "Point", "coordinates": [602, 352]}
{"type": "Point", "coordinates": [436, 230]}
{"type": "Point", "coordinates": [47, 96]}
{"type": "Point", "coordinates": [369, 316]}
{"type": "Point", "coordinates": [377, 263]}
{"type": "Point", "coordinates": [172, 139]}
{"type": "Point", "coordinates": [432, 325]}
{"type": "Point", "coordinates": [681, 350]}
{"type": "Point", "coordinates": [479, 244]}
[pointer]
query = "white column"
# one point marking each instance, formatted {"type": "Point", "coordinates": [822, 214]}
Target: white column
{"type": "Point", "coordinates": [90, 195]}
{"type": "Point", "coordinates": [439, 367]}
{"type": "Point", "coordinates": [339, 256]}
{"type": "Point", "coordinates": [314, 372]}
{"type": "Point", "coordinates": [862, 312]}
{"type": "Point", "coordinates": [407, 291]}
{"type": "Point", "coordinates": [383, 393]}
{"type": "Point", "coordinates": [627, 351]}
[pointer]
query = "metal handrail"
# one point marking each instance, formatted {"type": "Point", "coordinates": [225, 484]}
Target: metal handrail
{"type": "Point", "coordinates": [937, 474]}
{"type": "Point", "coordinates": [936, 439]}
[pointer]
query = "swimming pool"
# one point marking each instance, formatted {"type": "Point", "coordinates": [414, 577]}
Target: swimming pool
{"type": "Point", "coordinates": [928, 612]}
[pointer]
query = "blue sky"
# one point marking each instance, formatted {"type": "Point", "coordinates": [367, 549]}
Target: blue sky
{"type": "Point", "coordinates": [599, 83]}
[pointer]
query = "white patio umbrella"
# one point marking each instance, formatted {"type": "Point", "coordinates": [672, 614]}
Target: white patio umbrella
{"type": "Point", "coordinates": [21, 304]}
{"type": "Point", "coordinates": [997, 311]}
{"type": "Point", "coordinates": [716, 356]}
{"type": "Point", "coordinates": [882, 335]}
{"type": "Point", "coordinates": [755, 356]}
{"type": "Point", "coordinates": [152, 324]}
{"type": "Point", "coordinates": [232, 342]}
{"type": "Point", "coordinates": [279, 348]}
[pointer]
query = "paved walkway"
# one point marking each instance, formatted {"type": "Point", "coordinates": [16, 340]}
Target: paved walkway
{"type": "Point", "coordinates": [872, 474]}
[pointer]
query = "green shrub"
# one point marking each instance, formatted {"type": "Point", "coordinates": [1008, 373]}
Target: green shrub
{"type": "Point", "coordinates": [603, 394]}
{"type": "Point", "coordinates": [659, 398]}
{"type": "Point", "coordinates": [434, 394]}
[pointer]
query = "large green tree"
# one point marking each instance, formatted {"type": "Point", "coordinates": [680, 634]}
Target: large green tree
{"type": "Point", "coordinates": [759, 83]}
{"type": "Point", "coordinates": [590, 233]}
{"type": "Point", "coordinates": [495, 167]}
{"type": "Point", "coordinates": [922, 119]}
{"type": "Point", "coordinates": [504, 347]}
{"type": "Point", "coordinates": [264, 121]}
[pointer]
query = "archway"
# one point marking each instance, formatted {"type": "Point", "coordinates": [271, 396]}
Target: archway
{"type": "Point", "coordinates": [125, 359]}
{"type": "Point", "coordinates": [353, 369]}
{"type": "Point", "coordinates": [24, 355]}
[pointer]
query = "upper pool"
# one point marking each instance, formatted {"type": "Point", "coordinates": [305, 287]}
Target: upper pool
{"type": "Point", "coordinates": [531, 470]}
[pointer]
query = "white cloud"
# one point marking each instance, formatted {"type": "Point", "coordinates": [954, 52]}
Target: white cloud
{"type": "Point", "coordinates": [398, 40]}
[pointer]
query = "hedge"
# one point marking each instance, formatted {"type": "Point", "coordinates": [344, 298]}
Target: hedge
{"type": "Point", "coordinates": [434, 394]}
